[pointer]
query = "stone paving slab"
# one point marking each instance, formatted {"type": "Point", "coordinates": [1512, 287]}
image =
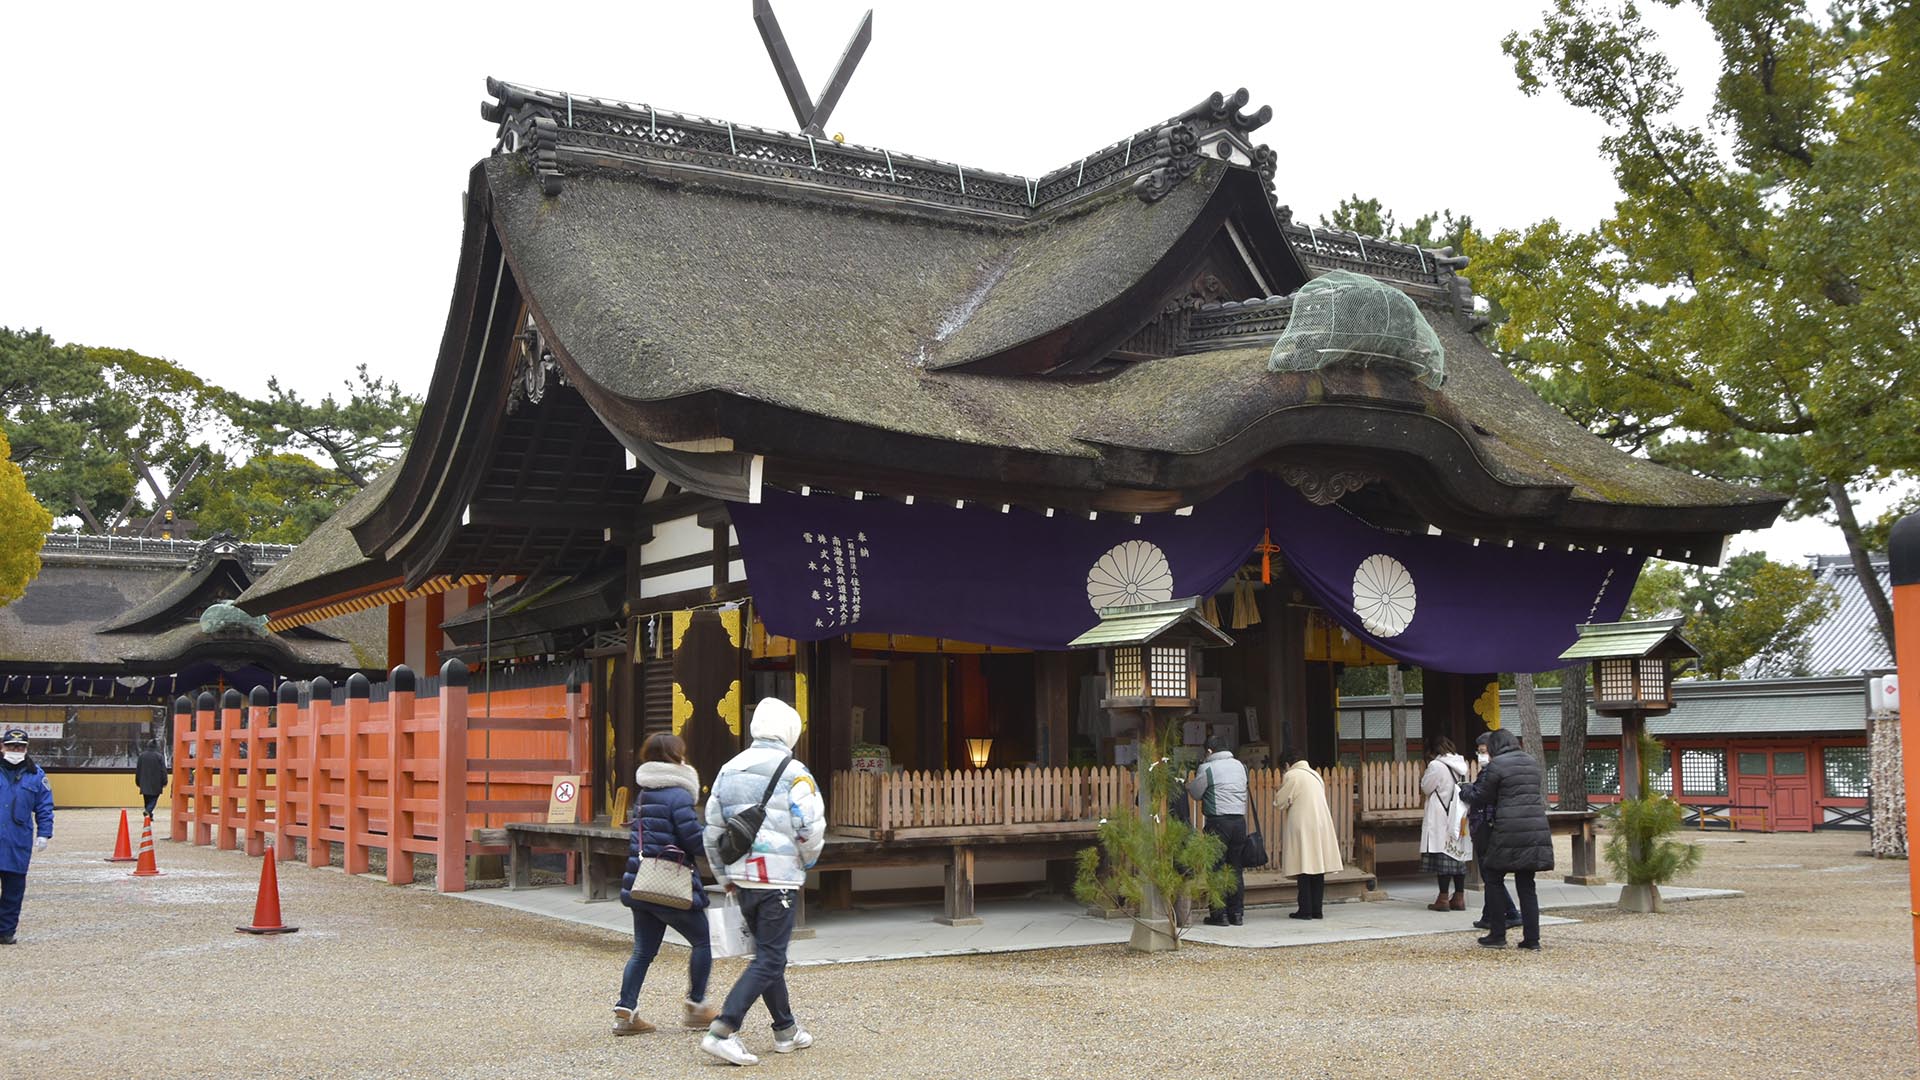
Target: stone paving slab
{"type": "Point", "coordinates": [899, 933]}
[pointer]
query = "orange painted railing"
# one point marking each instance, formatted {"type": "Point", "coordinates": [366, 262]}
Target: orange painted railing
{"type": "Point", "coordinates": [403, 775]}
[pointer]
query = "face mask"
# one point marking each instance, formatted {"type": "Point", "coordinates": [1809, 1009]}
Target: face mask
{"type": "Point", "coordinates": [1483, 758]}
{"type": "Point", "coordinates": [15, 757]}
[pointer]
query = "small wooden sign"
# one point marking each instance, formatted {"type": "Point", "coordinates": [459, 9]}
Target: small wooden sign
{"type": "Point", "coordinates": [563, 808]}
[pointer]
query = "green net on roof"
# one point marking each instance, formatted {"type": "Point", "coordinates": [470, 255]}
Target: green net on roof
{"type": "Point", "coordinates": [1351, 319]}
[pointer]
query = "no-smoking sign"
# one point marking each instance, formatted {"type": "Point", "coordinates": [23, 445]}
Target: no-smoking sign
{"type": "Point", "coordinates": [563, 808]}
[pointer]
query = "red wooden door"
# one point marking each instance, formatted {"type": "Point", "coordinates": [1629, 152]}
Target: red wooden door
{"type": "Point", "coordinates": [1792, 791]}
{"type": "Point", "coordinates": [1777, 780]}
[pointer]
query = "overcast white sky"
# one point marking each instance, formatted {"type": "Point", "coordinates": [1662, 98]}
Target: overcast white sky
{"type": "Point", "coordinates": [261, 189]}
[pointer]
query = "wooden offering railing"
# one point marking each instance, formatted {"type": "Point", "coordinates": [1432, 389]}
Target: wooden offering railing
{"type": "Point", "coordinates": [980, 802]}
{"type": "Point", "coordinates": [1395, 785]}
{"type": "Point", "coordinates": [1036, 802]}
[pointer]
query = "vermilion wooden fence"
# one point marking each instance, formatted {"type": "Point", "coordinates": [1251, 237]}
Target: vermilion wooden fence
{"type": "Point", "coordinates": [405, 775]}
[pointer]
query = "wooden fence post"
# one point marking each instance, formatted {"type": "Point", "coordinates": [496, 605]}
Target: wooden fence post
{"type": "Point", "coordinates": [579, 749]}
{"type": "Point", "coordinates": [450, 875]}
{"type": "Point", "coordinates": [286, 716]}
{"type": "Point", "coordinates": [204, 717]}
{"type": "Point", "coordinates": [319, 715]}
{"type": "Point", "coordinates": [182, 766]}
{"type": "Point", "coordinates": [400, 691]}
{"type": "Point", "coordinates": [253, 809]}
{"type": "Point", "coordinates": [354, 825]}
{"type": "Point", "coordinates": [223, 827]}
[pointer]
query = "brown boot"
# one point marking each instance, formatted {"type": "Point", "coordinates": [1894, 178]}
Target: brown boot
{"type": "Point", "coordinates": [697, 1014]}
{"type": "Point", "coordinates": [626, 1023]}
{"type": "Point", "coordinates": [1458, 903]}
{"type": "Point", "coordinates": [1440, 904]}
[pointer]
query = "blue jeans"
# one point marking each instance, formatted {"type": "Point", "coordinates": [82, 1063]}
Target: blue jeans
{"type": "Point", "coordinates": [13, 889]}
{"type": "Point", "coordinates": [769, 915]}
{"type": "Point", "coordinates": [650, 922]}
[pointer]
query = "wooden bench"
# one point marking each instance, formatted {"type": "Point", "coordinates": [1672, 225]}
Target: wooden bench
{"type": "Point", "coordinates": [602, 848]}
{"type": "Point", "coordinates": [1728, 814]}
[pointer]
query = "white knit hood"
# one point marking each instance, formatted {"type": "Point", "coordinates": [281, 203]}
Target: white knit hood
{"type": "Point", "coordinates": [775, 719]}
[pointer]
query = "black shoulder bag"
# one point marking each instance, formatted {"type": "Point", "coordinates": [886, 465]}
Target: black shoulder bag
{"type": "Point", "coordinates": [737, 840]}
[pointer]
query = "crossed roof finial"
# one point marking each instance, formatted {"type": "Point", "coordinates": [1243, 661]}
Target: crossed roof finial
{"type": "Point", "coordinates": [811, 115]}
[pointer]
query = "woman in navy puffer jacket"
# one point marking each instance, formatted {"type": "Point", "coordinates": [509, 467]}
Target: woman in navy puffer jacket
{"type": "Point", "coordinates": [665, 826]}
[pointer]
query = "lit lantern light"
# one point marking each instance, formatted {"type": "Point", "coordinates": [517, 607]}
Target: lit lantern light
{"type": "Point", "coordinates": [979, 751]}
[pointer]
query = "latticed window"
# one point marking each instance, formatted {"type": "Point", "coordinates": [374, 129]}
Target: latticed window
{"type": "Point", "coordinates": [1653, 680]}
{"type": "Point", "coordinates": [1848, 771]}
{"type": "Point", "coordinates": [1129, 677]}
{"type": "Point", "coordinates": [1170, 671]}
{"type": "Point", "coordinates": [1553, 772]}
{"type": "Point", "coordinates": [1602, 768]}
{"type": "Point", "coordinates": [1660, 777]}
{"type": "Point", "coordinates": [1616, 680]}
{"type": "Point", "coordinates": [1703, 772]}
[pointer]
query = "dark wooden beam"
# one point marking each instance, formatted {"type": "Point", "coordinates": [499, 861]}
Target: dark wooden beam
{"type": "Point", "coordinates": [674, 506]}
{"type": "Point", "coordinates": [688, 598]}
{"type": "Point", "coordinates": [539, 515]}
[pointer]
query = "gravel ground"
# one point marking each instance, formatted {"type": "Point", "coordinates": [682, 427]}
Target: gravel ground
{"type": "Point", "coordinates": [1811, 974]}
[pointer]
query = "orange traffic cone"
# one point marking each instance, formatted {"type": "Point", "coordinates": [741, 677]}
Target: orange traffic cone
{"type": "Point", "coordinates": [146, 867]}
{"type": "Point", "coordinates": [122, 845]}
{"type": "Point", "coordinates": [266, 906]}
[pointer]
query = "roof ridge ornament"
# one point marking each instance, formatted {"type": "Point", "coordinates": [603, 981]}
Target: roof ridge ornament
{"type": "Point", "coordinates": [1217, 127]}
{"type": "Point", "coordinates": [809, 114]}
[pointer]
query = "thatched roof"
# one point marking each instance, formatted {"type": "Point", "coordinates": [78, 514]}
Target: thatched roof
{"type": "Point", "coordinates": [87, 614]}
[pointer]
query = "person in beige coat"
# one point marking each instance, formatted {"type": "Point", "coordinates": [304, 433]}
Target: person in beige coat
{"type": "Point", "coordinates": [1309, 848]}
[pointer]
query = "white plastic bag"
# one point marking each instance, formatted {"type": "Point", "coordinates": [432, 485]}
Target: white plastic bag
{"type": "Point", "coordinates": [727, 928]}
{"type": "Point", "coordinates": [1459, 843]}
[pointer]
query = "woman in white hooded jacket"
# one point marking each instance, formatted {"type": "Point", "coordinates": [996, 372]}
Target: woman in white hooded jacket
{"type": "Point", "coordinates": [1441, 785]}
{"type": "Point", "coordinates": [769, 877]}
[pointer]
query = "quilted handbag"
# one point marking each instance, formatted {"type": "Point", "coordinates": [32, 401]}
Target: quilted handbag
{"type": "Point", "coordinates": [1254, 854]}
{"type": "Point", "coordinates": [662, 881]}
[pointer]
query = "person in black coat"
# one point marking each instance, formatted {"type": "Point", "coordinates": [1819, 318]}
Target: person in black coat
{"type": "Point", "coordinates": [1480, 830]}
{"type": "Point", "coordinates": [150, 775]}
{"type": "Point", "coordinates": [1520, 842]}
{"type": "Point", "coordinates": [665, 826]}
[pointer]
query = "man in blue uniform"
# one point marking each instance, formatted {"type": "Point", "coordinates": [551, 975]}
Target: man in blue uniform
{"type": "Point", "coordinates": [26, 824]}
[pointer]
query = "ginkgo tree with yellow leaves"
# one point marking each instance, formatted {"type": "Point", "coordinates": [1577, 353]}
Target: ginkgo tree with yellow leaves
{"type": "Point", "coordinates": [23, 528]}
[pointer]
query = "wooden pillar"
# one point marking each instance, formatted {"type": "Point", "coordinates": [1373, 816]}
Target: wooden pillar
{"type": "Point", "coordinates": [224, 830]}
{"type": "Point", "coordinates": [450, 873]}
{"type": "Point", "coordinates": [1053, 722]}
{"type": "Point", "coordinates": [958, 910]}
{"type": "Point", "coordinates": [1633, 724]}
{"type": "Point", "coordinates": [1286, 659]}
{"type": "Point", "coordinates": [182, 766]}
{"type": "Point", "coordinates": [206, 746]}
{"type": "Point", "coordinates": [286, 717]}
{"type": "Point", "coordinates": [401, 688]}
{"type": "Point", "coordinates": [579, 744]}
{"type": "Point", "coordinates": [930, 684]}
{"type": "Point", "coordinates": [319, 716]}
{"type": "Point", "coordinates": [837, 661]}
{"type": "Point", "coordinates": [354, 823]}
{"type": "Point", "coordinates": [253, 815]}
{"type": "Point", "coordinates": [1323, 722]}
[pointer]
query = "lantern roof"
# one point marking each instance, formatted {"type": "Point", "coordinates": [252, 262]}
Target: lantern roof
{"type": "Point", "coordinates": [1631, 640]}
{"type": "Point", "coordinates": [1141, 624]}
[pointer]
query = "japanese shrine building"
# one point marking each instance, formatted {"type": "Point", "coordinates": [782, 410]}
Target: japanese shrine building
{"type": "Point", "coordinates": [729, 412]}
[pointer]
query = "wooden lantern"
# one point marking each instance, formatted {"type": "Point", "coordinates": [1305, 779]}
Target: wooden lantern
{"type": "Point", "coordinates": [1632, 664]}
{"type": "Point", "coordinates": [1150, 653]}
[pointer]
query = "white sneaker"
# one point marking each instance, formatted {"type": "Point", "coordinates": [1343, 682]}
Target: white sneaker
{"type": "Point", "coordinates": [729, 1049]}
{"type": "Point", "coordinates": [798, 1040]}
